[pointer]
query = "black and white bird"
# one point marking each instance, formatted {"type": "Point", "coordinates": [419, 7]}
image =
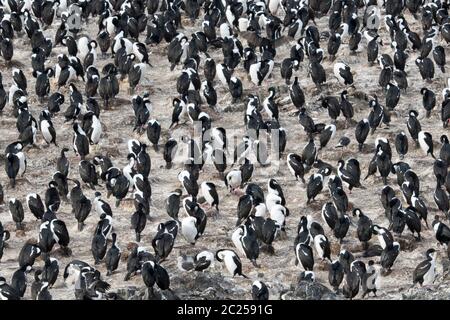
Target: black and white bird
{"type": "Point", "coordinates": [19, 280]}
{"type": "Point", "coordinates": [244, 239]}
{"type": "Point", "coordinates": [199, 262]}
{"type": "Point", "coordinates": [210, 194]}
{"type": "Point", "coordinates": [233, 180]}
{"type": "Point", "coordinates": [113, 255]}
{"type": "Point", "coordinates": [295, 165]}
{"type": "Point", "coordinates": [428, 100]}
{"type": "Point", "coordinates": [170, 149]}
{"type": "Point", "coordinates": [80, 141]}
{"type": "Point", "coordinates": [361, 132]}
{"type": "Point", "coordinates": [46, 126]}
{"type": "Point", "coordinates": [50, 271]}
{"type": "Point", "coordinates": [304, 255]}
{"type": "Point", "coordinates": [164, 240]}
{"type": "Point", "coordinates": [441, 199]}
{"type": "Point", "coordinates": [413, 125]}
{"type": "Point", "coordinates": [326, 135]}
{"type": "Point", "coordinates": [4, 236]}
{"type": "Point", "coordinates": [16, 212]}
{"type": "Point", "coordinates": [35, 205]}
{"type": "Point", "coordinates": [389, 256]}
{"type": "Point", "coordinates": [42, 87]}
{"type": "Point", "coordinates": [7, 292]}
{"type": "Point", "coordinates": [335, 274]}
{"type": "Point", "coordinates": [364, 227]}
{"type": "Point", "coordinates": [369, 279]}
{"type": "Point", "coordinates": [350, 173]}
{"type": "Point", "coordinates": [231, 260]}
{"type": "Point", "coordinates": [351, 285]}
{"type": "Point", "coordinates": [314, 186]}
{"type": "Point", "coordinates": [322, 246]}
{"type": "Point", "coordinates": [441, 231]}
{"type": "Point", "coordinates": [425, 272]}
{"type": "Point", "coordinates": [15, 166]}
{"type": "Point", "coordinates": [401, 144]}
{"type": "Point", "coordinates": [101, 206]}
{"type": "Point", "coordinates": [98, 245]}
{"type": "Point", "coordinates": [154, 133]}
{"type": "Point", "coordinates": [190, 229]}
{"type": "Point", "coordinates": [81, 205]}
{"type": "Point", "coordinates": [426, 143]}
{"type": "Point", "coordinates": [88, 173]}
{"type": "Point", "coordinates": [343, 73]}
{"type": "Point", "coordinates": [296, 94]}
{"type": "Point", "coordinates": [153, 273]}
{"type": "Point", "coordinates": [138, 221]}
{"type": "Point", "coordinates": [260, 291]}
{"type": "Point", "coordinates": [426, 68]}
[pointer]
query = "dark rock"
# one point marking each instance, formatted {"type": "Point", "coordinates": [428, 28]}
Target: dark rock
{"type": "Point", "coordinates": [407, 243]}
{"type": "Point", "coordinates": [310, 291]}
{"type": "Point", "coordinates": [313, 291]}
{"type": "Point", "coordinates": [427, 293]}
{"type": "Point", "coordinates": [126, 293]}
{"type": "Point", "coordinates": [205, 285]}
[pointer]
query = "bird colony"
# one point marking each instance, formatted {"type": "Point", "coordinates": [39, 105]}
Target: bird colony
{"type": "Point", "coordinates": [223, 149]}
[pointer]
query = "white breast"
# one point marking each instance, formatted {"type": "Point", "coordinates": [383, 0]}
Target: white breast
{"type": "Point", "coordinates": [243, 24]}
{"type": "Point", "coordinates": [236, 238]}
{"type": "Point", "coordinates": [428, 278]}
{"type": "Point", "coordinates": [206, 193]}
{"type": "Point", "coordinates": [277, 214]}
{"type": "Point", "coordinates": [23, 165]}
{"type": "Point", "coordinates": [45, 125]}
{"type": "Point", "coordinates": [97, 130]}
{"type": "Point", "coordinates": [260, 210]}
{"type": "Point", "coordinates": [188, 229]}
{"type": "Point", "coordinates": [254, 68]}
{"type": "Point", "coordinates": [220, 75]}
{"type": "Point", "coordinates": [317, 246]}
{"type": "Point", "coordinates": [230, 264]}
{"type": "Point", "coordinates": [423, 145]}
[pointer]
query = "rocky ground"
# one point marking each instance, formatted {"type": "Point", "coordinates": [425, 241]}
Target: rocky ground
{"type": "Point", "coordinates": [277, 271]}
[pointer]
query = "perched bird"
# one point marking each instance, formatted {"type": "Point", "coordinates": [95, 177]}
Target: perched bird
{"type": "Point", "coordinates": [16, 211]}
{"type": "Point", "coordinates": [231, 260]}
{"type": "Point", "coordinates": [425, 272]}
{"type": "Point", "coordinates": [260, 291]}
{"type": "Point", "coordinates": [201, 261]}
